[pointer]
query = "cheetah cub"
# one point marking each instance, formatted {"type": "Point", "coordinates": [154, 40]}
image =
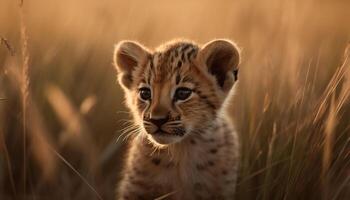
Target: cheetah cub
{"type": "Point", "coordinates": [184, 147]}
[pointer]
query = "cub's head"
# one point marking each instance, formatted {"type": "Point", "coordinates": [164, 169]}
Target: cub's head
{"type": "Point", "coordinates": [177, 90]}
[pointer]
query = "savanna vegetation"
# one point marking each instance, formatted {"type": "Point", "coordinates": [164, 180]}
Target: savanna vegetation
{"type": "Point", "coordinates": [61, 111]}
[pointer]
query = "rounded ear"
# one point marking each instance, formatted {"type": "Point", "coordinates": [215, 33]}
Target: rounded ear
{"type": "Point", "coordinates": [221, 58]}
{"type": "Point", "coordinates": [129, 55]}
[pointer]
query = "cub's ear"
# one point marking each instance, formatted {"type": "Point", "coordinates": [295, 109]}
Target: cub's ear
{"type": "Point", "coordinates": [129, 55]}
{"type": "Point", "coordinates": [221, 58]}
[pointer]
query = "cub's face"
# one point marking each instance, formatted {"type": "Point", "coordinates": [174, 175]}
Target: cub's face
{"type": "Point", "coordinates": [177, 90]}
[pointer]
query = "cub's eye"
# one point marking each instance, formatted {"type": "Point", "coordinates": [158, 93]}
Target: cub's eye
{"type": "Point", "coordinates": [182, 93]}
{"type": "Point", "coordinates": [145, 93]}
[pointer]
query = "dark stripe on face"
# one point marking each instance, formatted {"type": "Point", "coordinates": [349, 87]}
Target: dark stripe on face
{"type": "Point", "coordinates": [178, 78]}
{"type": "Point", "coordinates": [143, 81]}
{"type": "Point", "coordinates": [149, 75]}
{"type": "Point", "coordinates": [151, 62]}
{"type": "Point", "coordinates": [183, 56]}
{"type": "Point", "coordinates": [210, 104]}
{"type": "Point", "coordinates": [189, 54]}
{"type": "Point", "coordinates": [149, 79]}
{"type": "Point", "coordinates": [188, 79]}
{"type": "Point", "coordinates": [205, 99]}
{"type": "Point", "coordinates": [184, 48]}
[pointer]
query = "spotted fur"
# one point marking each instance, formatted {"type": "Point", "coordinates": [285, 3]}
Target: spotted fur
{"type": "Point", "coordinates": [184, 149]}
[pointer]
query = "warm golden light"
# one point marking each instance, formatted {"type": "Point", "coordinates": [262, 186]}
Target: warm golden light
{"type": "Point", "coordinates": [61, 110]}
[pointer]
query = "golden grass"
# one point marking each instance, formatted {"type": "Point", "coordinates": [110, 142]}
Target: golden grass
{"type": "Point", "coordinates": [60, 106]}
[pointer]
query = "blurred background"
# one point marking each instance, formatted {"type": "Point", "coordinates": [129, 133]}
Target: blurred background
{"type": "Point", "coordinates": [61, 111]}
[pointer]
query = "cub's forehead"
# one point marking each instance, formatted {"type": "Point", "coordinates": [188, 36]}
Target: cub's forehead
{"type": "Point", "coordinates": [176, 45]}
{"type": "Point", "coordinates": [170, 62]}
{"type": "Point", "coordinates": [174, 55]}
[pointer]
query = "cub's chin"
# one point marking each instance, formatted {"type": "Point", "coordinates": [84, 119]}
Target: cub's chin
{"type": "Point", "coordinates": [164, 138]}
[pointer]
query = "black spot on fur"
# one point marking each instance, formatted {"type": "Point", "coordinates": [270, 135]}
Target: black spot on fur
{"type": "Point", "coordinates": [213, 151]}
{"type": "Point", "coordinates": [192, 141]}
{"type": "Point", "coordinates": [156, 161]}
{"type": "Point", "coordinates": [224, 172]}
{"type": "Point", "coordinates": [211, 163]}
{"type": "Point", "coordinates": [179, 64]}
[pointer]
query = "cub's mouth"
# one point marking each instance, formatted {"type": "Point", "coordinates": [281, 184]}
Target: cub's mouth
{"type": "Point", "coordinates": [166, 136]}
{"type": "Point", "coordinates": [161, 132]}
{"type": "Point", "coordinates": [174, 132]}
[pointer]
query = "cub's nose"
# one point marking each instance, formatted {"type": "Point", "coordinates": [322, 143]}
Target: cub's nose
{"type": "Point", "coordinates": [159, 121]}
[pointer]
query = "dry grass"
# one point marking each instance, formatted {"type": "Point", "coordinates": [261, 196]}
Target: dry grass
{"type": "Point", "coordinates": [60, 109]}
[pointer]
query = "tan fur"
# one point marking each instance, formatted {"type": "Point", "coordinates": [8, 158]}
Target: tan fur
{"type": "Point", "coordinates": [196, 154]}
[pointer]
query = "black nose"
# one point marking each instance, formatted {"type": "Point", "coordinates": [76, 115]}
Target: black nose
{"type": "Point", "coordinates": [159, 122]}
